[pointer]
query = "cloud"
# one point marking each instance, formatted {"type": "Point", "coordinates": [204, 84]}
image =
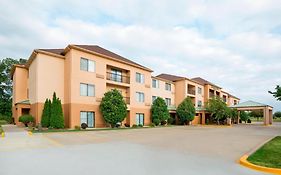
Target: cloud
{"type": "Point", "coordinates": [220, 41]}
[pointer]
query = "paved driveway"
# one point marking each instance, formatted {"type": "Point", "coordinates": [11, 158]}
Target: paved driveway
{"type": "Point", "coordinates": [172, 150]}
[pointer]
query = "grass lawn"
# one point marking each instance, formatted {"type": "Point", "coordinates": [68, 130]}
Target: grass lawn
{"type": "Point", "coordinates": [269, 155]}
{"type": "Point", "coordinates": [261, 120]}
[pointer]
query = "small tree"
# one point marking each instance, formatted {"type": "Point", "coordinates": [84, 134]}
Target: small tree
{"type": "Point", "coordinates": [26, 119]}
{"type": "Point", "coordinates": [277, 114]}
{"type": "Point", "coordinates": [46, 114]}
{"type": "Point", "coordinates": [277, 93]}
{"type": "Point", "coordinates": [56, 118]}
{"type": "Point", "coordinates": [113, 107]}
{"type": "Point", "coordinates": [217, 108]}
{"type": "Point", "coordinates": [244, 116]}
{"type": "Point", "coordinates": [186, 111]}
{"type": "Point", "coordinates": [159, 110]}
{"type": "Point", "coordinates": [256, 114]}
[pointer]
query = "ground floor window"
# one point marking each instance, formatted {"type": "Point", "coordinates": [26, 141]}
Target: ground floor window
{"type": "Point", "coordinates": [88, 118]}
{"type": "Point", "coordinates": [139, 119]}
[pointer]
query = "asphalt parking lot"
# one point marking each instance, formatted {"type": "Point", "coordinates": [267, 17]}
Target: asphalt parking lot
{"type": "Point", "coordinates": [171, 150]}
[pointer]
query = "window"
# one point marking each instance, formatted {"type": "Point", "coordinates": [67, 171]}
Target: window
{"type": "Point", "coordinates": [155, 83]}
{"type": "Point", "coordinates": [199, 90]}
{"type": "Point", "coordinates": [87, 65]}
{"type": "Point", "coordinates": [88, 118]}
{"type": "Point", "coordinates": [139, 78]}
{"type": "Point", "coordinates": [153, 98]}
{"type": "Point", "coordinates": [140, 96]}
{"type": "Point", "coordinates": [168, 87]}
{"type": "Point", "coordinates": [224, 98]}
{"type": "Point", "coordinates": [139, 119]}
{"type": "Point", "coordinates": [168, 101]}
{"type": "Point", "coordinates": [87, 90]}
{"type": "Point", "coordinates": [116, 75]}
{"type": "Point", "coordinates": [199, 103]}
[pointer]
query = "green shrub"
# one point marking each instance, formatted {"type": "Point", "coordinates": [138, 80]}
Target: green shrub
{"type": "Point", "coordinates": [134, 126]}
{"type": "Point", "coordinates": [56, 118]}
{"type": "Point", "coordinates": [159, 110]}
{"type": "Point", "coordinates": [77, 127]}
{"type": "Point", "coordinates": [277, 114]}
{"type": "Point", "coordinates": [171, 121]}
{"type": "Point", "coordinates": [140, 125]}
{"type": "Point", "coordinates": [113, 107]}
{"type": "Point", "coordinates": [152, 125]}
{"type": "Point", "coordinates": [8, 119]}
{"type": "Point", "coordinates": [46, 114]}
{"type": "Point", "coordinates": [156, 121]}
{"type": "Point", "coordinates": [25, 119]}
{"type": "Point", "coordinates": [186, 111]}
{"type": "Point", "coordinates": [244, 116]}
{"type": "Point", "coordinates": [3, 122]}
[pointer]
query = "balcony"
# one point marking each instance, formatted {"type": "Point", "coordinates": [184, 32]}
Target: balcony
{"type": "Point", "coordinates": [191, 91]}
{"type": "Point", "coordinates": [127, 100]}
{"type": "Point", "coordinates": [118, 78]}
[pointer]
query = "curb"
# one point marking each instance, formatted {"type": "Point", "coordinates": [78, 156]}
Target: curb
{"type": "Point", "coordinates": [243, 161]}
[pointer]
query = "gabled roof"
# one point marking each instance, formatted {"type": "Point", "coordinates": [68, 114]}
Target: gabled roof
{"type": "Point", "coordinates": [170, 77]}
{"type": "Point", "coordinates": [203, 81]}
{"type": "Point", "coordinates": [248, 104]}
{"type": "Point", "coordinates": [54, 51]}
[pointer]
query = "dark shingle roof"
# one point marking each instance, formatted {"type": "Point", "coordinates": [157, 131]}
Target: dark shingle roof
{"type": "Point", "coordinates": [108, 53]}
{"type": "Point", "coordinates": [203, 81]}
{"type": "Point", "coordinates": [170, 77]}
{"type": "Point", "coordinates": [55, 51]}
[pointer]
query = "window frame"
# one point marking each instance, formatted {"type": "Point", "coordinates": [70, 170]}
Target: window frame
{"type": "Point", "coordinates": [139, 116]}
{"type": "Point", "coordinates": [156, 83]}
{"type": "Point", "coordinates": [87, 118]}
{"type": "Point", "coordinates": [140, 97]}
{"type": "Point", "coordinates": [140, 78]}
{"type": "Point", "coordinates": [87, 90]}
{"type": "Point", "coordinates": [88, 61]}
{"type": "Point", "coordinates": [168, 85]}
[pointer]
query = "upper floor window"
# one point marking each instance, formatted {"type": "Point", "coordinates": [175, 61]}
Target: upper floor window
{"type": "Point", "coordinates": [153, 98]}
{"type": "Point", "coordinates": [116, 75]}
{"type": "Point", "coordinates": [168, 86]}
{"type": "Point", "coordinates": [199, 90]}
{"type": "Point", "coordinates": [87, 90]}
{"type": "Point", "coordinates": [139, 78]}
{"type": "Point", "coordinates": [140, 96]}
{"type": "Point", "coordinates": [168, 101]}
{"type": "Point", "coordinates": [199, 104]}
{"type": "Point", "coordinates": [87, 65]}
{"type": "Point", "coordinates": [155, 83]}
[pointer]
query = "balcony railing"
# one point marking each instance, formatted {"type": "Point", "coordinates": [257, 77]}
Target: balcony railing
{"type": "Point", "coordinates": [117, 77]}
{"type": "Point", "coordinates": [191, 91]}
{"type": "Point", "coordinates": [127, 100]}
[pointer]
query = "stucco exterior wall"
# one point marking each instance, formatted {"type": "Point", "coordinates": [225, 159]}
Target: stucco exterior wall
{"type": "Point", "coordinates": [162, 92]}
{"type": "Point", "coordinates": [20, 85]}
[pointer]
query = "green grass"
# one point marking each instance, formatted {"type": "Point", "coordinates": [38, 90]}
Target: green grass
{"type": "Point", "coordinates": [269, 155]}
{"type": "Point", "coordinates": [261, 120]}
{"type": "Point", "coordinates": [98, 129]}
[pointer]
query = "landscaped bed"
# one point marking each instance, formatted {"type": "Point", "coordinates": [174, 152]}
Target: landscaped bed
{"type": "Point", "coordinates": [94, 129]}
{"type": "Point", "coordinates": [269, 155]}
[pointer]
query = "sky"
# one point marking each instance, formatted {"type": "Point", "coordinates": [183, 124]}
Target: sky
{"type": "Point", "coordinates": [235, 44]}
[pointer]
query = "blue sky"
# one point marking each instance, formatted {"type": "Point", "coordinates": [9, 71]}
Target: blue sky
{"type": "Point", "coordinates": [234, 44]}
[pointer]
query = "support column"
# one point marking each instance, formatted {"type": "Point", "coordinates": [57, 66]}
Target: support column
{"type": "Point", "coordinates": [203, 119]}
{"type": "Point", "coordinates": [238, 117]}
{"type": "Point", "coordinates": [266, 116]}
{"type": "Point", "coordinates": [270, 117]}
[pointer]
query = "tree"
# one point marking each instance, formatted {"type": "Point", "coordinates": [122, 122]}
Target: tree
{"type": "Point", "coordinates": [159, 110]}
{"type": "Point", "coordinates": [256, 114]}
{"type": "Point", "coordinates": [217, 108]}
{"type": "Point", "coordinates": [46, 115]}
{"type": "Point", "coordinates": [6, 85]}
{"type": "Point", "coordinates": [277, 114]}
{"type": "Point", "coordinates": [244, 116]}
{"type": "Point", "coordinates": [56, 118]}
{"type": "Point", "coordinates": [186, 111]}
{"type": "Point", "coordinates": [113, 107]}
{"type": "Point", "coordinates": [26, 119]}
{"type": "Point", "coordinates": [277, 93]}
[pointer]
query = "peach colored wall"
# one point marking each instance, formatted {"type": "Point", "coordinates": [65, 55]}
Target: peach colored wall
{"type": "Point", "coordinates": [196, 120]}
{"type": "Point", "coordinates": [180, 91]}
{"type": "Point", "coordinates": [162, 92]}
{"type": "Point", "coordinates": [32, 81]}
{"type": "Point", "coordinates": [20, 85]}
{"type": "Point", "coordinates": [50, 77]}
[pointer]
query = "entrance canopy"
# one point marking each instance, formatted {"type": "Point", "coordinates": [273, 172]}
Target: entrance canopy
{"type": "Point", "coordinates": [252, 105]}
